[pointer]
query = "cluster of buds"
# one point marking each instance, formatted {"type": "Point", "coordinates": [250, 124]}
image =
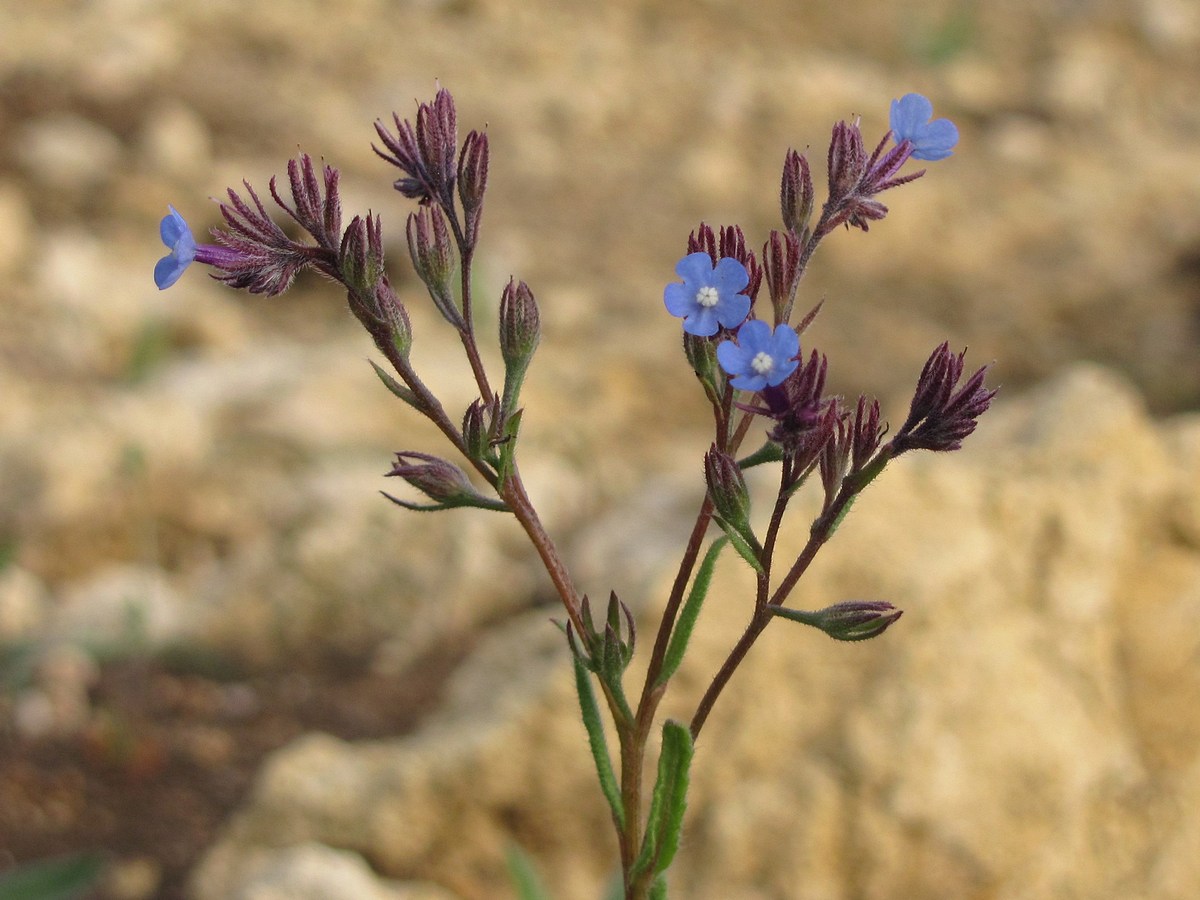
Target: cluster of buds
{"type": "Point", "coordinates": [607, 651]}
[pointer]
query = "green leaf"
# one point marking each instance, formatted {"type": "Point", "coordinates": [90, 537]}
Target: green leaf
{"type": "Point", "coordinates": [524, 875]}
{"type": "Point", "coordinates": [768, 453]}
{"type": "Point", "coordinates": [599, 746]}
{"type": "Point", "coordinates": [658, 890]}
{"type": "Point", "coordinates": [397, 388]}
{"type": "Point", "coordinates": [64, 878]}
{"type": "Point", "coordinates": [691, 611]}
{"type": "Point", "coordinates": [665, 821]}
{"type": "Point", "coordinates": [744, 548]}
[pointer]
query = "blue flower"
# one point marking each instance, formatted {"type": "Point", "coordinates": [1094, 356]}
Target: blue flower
{"type": "Point", "coordinates": [911, 122]}
{"type": "Point", "coordinates": [178, 238]}
{"type": "Point", "coordinates": [708, 298]}
{"type": "Point", "coordinates": [760, 358]}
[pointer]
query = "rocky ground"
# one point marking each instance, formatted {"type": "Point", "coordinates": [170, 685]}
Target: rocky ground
{"type": "Point", "coordinates": [196, 567]}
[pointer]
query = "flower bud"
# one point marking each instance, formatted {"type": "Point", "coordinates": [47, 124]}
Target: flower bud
{"type": "Point", "coordinates": [360, 257]}
{"type": "Point", "coordinates": [781, 263]}
{"type": "Point", "coordinates": [442, 482]}
{"type": "Point", "coordinates": [472, 181]}
{"type": "Point", "coordinates": [727, 489]}
{"type": "Point", "coordinates": [850, 620]}
{"type": "Point", "coordinates": [520, 324]}
{"type": "Point", "coordinates": [796, 194]}
{"type": "Point", "coordinates": [394, 318]}
{"type": "Point", "coordinates": [433, 259]}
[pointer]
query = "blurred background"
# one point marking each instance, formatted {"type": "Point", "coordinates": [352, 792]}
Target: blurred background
{"type": "Point", "coordinates": [195, 564]}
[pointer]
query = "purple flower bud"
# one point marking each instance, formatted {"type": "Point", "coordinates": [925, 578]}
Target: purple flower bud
{"type": "Point", "coordinates": [472, 181]}
{"type": "Point", "coordinates": [781, 266]}
{"type": "Point", "coordinates": [360, 257]}
{"type": "Point", "coordinates": [727, 489]}
{"type": "Point", "coordinates": [442, 482]}
{"type": "Point", "coordinates": [318, 206]}
{"type": "Point", "coordinates": [520, 324]}
{"type": "Point", "coordinates": [850, 620]}
{"type": "Point", "coordinates": [476, 432]}
{"type": "Point", "coordinates": [941, 417]}
{"type": "Point", "coordinates": [393, 317]}
{"type": "Point", "coordinates": [796, 193]}
{"type": "Point", "coordinates": [432, 255]}
{"type": "Point", "coordinates": [425, 154]}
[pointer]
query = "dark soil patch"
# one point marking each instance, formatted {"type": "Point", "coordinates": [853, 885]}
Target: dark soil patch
{"type": "Point", "coordinates": [168, 754]}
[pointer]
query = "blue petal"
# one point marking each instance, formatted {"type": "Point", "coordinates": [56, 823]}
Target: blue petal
{"type": "Point", "coordinates": [702, 322]}
{"type": "Point", "coordinates": [785, 342]}
{"type": "Point", "coordinates": [177, 236]}
{"type": "Point", "coordinates": [168, 269]}
{"type": "Point", "coordinates": [729, 275]}
{"type": "Point", "coordinates": [732, 309]}
{"type": "Point", "coordinates": [733, 359]}
{"type": "Point", "coordinates": [172, 228]}
{"type": "Point", "coordinates": [749, 382]}
{"type": "Point", "coordinates": [909, 114]}
{"type": "Point", "coordinates": [695, 267]}
{"type": "Point", "coordinates": [755, 337]}
{"type": "Point", "coordinates": [679, 299]}
{"type": "Point", "coordinates": [936, 141]}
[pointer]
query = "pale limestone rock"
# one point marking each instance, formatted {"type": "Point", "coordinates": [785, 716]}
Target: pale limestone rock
{"type": "Point", "coordinates": [315, 872]}
{"type": "Point", "coordinates": [68, 151]}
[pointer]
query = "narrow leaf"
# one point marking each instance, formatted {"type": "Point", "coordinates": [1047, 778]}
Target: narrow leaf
{"type": "Point", "coordinates": [768, 453]}
{"type": "Point", "coordinates": [524, 875]}
{"type": "Point", "coordinates": [658, 890]}
{"type": "Point", "coordinates": [397, 388]}
{"type": "Point", "coordinates": [599, 746]}
{"type": "Point", "coordinates": [665, 821]}
{"type": "Point", "coordinates": [691, 612]}
{"type": "Point", "coordinates": [745, 550]}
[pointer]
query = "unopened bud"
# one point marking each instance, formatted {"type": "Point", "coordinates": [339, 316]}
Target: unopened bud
{"type": "Point", "coordinates": [796, 193]}
{"type": "Point", "coordinates": [520, 324]}
{"type": "Point", "coordinates": [473, 171]}
{"type": "Point", "coordinates": [727, 489]}
{"type": "Point", "coordinates": [396, 324]}
{"type": "Point", "coordinates": [433, 259]}
{"type": "Point", "coordinates": [472, 181]}
{"type": "Point", "coordinates": [850, 620]}
{"type": "Point", "coordinates": [442, 482]}
{"type": "Point", "coordinates": [476, 433]}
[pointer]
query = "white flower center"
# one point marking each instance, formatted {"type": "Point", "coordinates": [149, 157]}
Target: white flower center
{"type": "Point", "coordinates": [762, 363]}
{"type": "Point", "coordinates": [707, 296]}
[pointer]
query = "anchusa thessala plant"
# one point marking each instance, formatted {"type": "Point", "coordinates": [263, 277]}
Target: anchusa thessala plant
{"type": "Point", "coordinates": [747, 357]}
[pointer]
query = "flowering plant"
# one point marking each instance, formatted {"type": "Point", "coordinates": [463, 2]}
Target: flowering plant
{"type": "Point", "coordinates": [746, 356]}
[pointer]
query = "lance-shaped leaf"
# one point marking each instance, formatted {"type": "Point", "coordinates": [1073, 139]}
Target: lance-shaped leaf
{"type": "Point", "coordinates": [599, 746]}
{"type": "Point", "coordinates": [665, 822]}
{"type": "Point", "coordinates": [691, 611]}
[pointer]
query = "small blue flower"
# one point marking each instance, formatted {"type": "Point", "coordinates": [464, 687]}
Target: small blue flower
{"type": "Point", "coordinates": [708, 298]}
{"type": "Point", "coordinates": [178, 238]}
{"type": "Point", "coordinates": [760, 357]}
{"type": "Point", "coordinates": [931, 141]}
